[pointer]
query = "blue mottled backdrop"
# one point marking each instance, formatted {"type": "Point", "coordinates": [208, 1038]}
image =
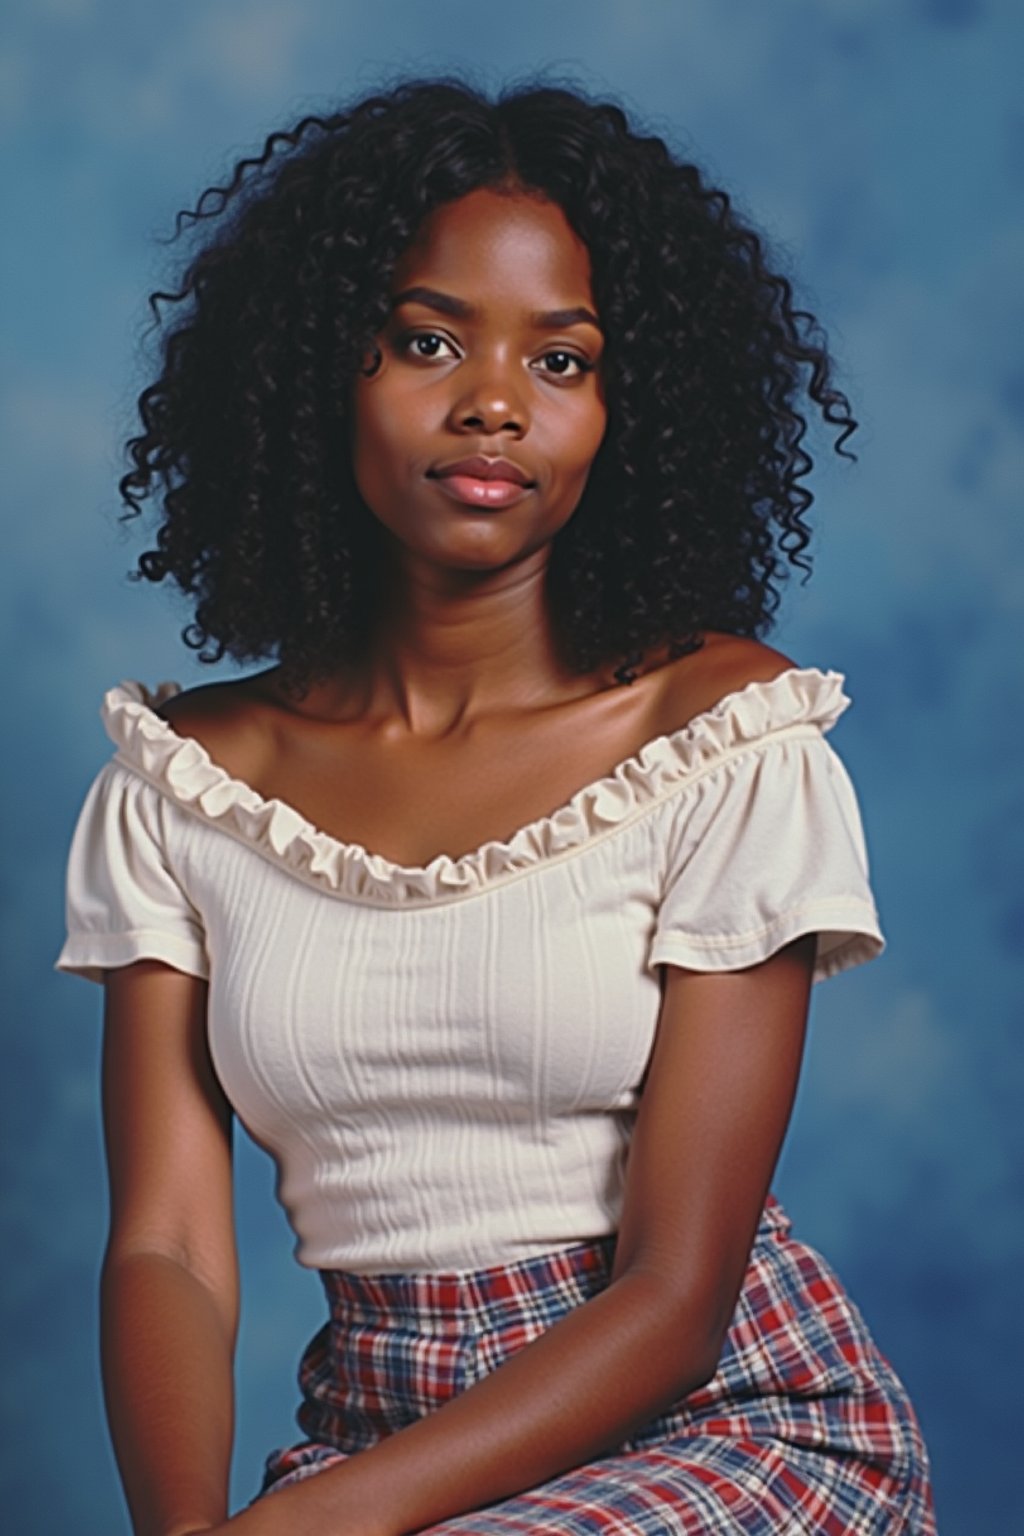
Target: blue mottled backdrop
{"type": "Point", "coordinates": [880, 144]}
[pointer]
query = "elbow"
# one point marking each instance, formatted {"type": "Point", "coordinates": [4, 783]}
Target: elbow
{"type": "Point", "coordinates": [156, 1278]}
{"type": "Point", "coordinates": [700, 1350]}
{"type": "Point", "coordinates": [703, 1366]}
{"type": "Point", "coordinates": [688, 1332]}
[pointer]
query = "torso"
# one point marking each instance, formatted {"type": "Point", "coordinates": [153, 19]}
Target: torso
{"type": "Point", "coordinates": [410, 799]}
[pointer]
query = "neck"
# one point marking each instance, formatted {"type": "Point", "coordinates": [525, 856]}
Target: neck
{"type": "Point", "coordinates": [451, 647]}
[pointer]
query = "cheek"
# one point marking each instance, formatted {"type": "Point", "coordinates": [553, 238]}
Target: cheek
{"type": "Point", "coordinates": [586, 438]}
{"type": "Point", "coordinates": [369, 420]}
{"type": "Point", "coordinates": [373, 440]}
{"type": "Point", "coordinates": [598, 428]}
{"type": "Point", "coordinates": [388, 416]}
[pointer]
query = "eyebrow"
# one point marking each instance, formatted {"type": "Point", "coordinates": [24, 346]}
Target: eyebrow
{"type": "Point", "coordinates": [447, 304]}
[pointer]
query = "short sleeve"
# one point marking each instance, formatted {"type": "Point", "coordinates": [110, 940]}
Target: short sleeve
{"type": "Point", "coordinates": [765, 848]}
{"type": "Point", "coordinates": [124, 901]}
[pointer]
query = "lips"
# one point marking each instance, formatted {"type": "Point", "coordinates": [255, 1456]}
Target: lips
{"type": "Point", "coordinates": [487, 484]}
{"type": "Point", "coordinates": [479, 468]}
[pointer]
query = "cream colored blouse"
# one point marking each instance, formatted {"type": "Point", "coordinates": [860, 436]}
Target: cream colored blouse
{"type": "Point", "coordinates": [444, 1061]}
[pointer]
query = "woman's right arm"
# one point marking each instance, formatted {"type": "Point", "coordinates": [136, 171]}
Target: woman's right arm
{"type": "Point", "coordinates": [169, 1286]}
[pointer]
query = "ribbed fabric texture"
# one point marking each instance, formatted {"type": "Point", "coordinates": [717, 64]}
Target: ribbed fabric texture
{"type": "Point", "coordinates": [445, 1062]}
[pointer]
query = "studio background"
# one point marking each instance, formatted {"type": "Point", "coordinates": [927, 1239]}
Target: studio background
{"type": "Point", "coordinates": [880, 146]}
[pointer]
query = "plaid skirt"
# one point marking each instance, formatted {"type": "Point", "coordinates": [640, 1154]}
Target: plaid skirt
{"type": "Point", "coordinates": [805, 1428]}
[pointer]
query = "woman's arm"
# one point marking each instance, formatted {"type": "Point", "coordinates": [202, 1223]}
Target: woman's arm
{"type": "Point", "coordinates": [169, 1285]}
{"type": "Point", "coordinates": [714, 1111]}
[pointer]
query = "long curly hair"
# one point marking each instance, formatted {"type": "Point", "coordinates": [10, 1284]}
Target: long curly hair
{"type": "Point", "coordinates": [694, 510]}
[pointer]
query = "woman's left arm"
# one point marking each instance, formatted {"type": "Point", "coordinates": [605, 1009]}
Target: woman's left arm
{"type": "Point", "coordinates": [713, 1114]}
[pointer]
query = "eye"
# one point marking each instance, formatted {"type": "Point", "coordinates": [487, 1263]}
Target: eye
{"type": "Point", "coordinates": [566, 365]}
{"type": "Point", "coordinates": [426, 344]}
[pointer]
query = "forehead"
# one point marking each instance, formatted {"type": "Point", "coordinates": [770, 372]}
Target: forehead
{"type": "Point", "coordinates": [515, 246]}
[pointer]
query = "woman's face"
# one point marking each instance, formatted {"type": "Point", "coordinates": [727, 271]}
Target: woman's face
{"type": "Point", "coordinates": [473, 439]}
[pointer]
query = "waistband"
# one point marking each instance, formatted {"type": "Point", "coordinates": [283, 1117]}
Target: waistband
{"type": "Point", "coordinates": [460, 1301]}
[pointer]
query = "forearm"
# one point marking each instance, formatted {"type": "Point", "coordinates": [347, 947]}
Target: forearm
{"type": "Point", "coordinates": [167, 1373]}
{"type": "Point", "coordinates": [573, 1394]}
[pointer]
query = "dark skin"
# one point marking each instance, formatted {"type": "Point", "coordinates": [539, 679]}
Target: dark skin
{"type": "Point", "coordinates": [462, 726]}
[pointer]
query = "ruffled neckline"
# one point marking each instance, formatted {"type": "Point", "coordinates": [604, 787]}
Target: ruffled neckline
{"type": "Point", "coordinates": [801, 699]}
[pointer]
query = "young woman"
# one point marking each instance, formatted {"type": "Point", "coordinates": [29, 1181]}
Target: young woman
{"type": "Point", "coordinates": [492, 907]}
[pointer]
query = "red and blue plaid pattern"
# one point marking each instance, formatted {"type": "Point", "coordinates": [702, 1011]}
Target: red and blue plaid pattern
{"type": "Point", "coordinates": [804, 1429]}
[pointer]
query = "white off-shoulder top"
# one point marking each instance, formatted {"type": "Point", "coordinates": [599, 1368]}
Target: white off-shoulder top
{"type": "Point", "coordinates": [445, 1061]}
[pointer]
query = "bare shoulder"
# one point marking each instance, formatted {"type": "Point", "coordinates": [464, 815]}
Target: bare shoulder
{"type": "Point", "coordinates": [724, 664]}
{"type": "Point", "coordinates": [229, 719]}
{"type": "Point", "coordinates": [728, 662]}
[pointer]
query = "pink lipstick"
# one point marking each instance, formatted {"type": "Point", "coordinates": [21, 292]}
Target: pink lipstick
{"type": "Point", "coordinates": [483, 482]}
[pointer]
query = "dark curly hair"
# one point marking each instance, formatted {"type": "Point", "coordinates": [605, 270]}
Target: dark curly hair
{"type": "Point", "coordinates": [694, 508]}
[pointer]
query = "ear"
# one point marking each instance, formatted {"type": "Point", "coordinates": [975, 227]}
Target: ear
{"type": "Point", "coordinates": [372, 359]}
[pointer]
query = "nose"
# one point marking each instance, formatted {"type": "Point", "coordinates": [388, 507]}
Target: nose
{"type": "Point", "coordinates": [490, 399]}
